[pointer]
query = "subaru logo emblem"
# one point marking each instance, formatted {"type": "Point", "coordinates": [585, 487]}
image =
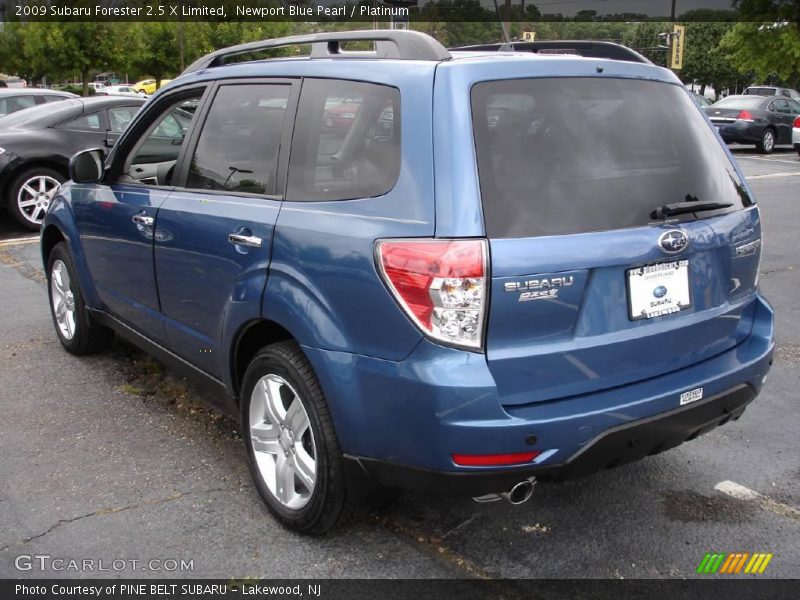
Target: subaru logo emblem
{"type": "Point", "coordinates": [673, 241]}
{"type": "Point", "coordinates": [660, 291]}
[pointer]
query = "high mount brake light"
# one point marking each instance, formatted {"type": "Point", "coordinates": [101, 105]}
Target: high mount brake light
{"type": "Point", "coordinates": [441, 284]}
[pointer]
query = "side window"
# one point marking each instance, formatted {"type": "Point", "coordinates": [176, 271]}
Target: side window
{"type": "Point", "coordinates": [782, 106]}
{"type": "Point", "coordinates": [120, 116]}
{"type": "Point", "coordinates": [154, 155]}
{"type": "Point", "coordinates": [91, 122]}
{"type": "Point", "coordinates": [53, 98]}
{"type": "Point", "coordinates": [238, 146]}
{"type": "Point", "coordinates": [15, 103]}
{"type": "Point", "coordinates": [346, 142]}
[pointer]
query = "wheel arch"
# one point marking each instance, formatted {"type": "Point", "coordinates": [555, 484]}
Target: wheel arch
{"type": "Point", "coordinates": [59, 226]}
{"type": "Point", "coordinates": [60, 167]}
{"type": "Point", "coordinates": [249, 340]}
{"type": "Point", "coordinates": [50, 236]}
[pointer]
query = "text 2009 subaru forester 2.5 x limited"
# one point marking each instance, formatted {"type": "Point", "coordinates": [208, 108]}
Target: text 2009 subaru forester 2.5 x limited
{"type": "Point", "coordinates": [414, 268]}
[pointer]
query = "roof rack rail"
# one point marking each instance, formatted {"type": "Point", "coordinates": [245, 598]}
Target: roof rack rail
{"type": "Point", "coordinates": [389, 43]}
{"type": "Point", "coordinates": [589, 49]}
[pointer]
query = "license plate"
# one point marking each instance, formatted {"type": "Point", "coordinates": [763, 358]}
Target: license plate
{"type": "Point", "coordinates": [660, 289]}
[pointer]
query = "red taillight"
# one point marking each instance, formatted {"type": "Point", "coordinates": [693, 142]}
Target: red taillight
{"type": "Point", "coordinates": [745, 115]}
{"type": "Point", "coordinates": [796, 122]}
{"type": "Point", "coordinates": [494, 460]}
{"type": "Point", "coordinates": [441, 284]}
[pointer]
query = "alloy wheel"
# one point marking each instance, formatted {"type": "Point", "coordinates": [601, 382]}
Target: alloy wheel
{"type": "Point", "coordinates": [35, 195]}
{"type": "Point", "coordinates": [63, 299]}
{"type": "Point", "coordinates": [283, 441]}
{"type": "Point", "coordinates": [769, 140]}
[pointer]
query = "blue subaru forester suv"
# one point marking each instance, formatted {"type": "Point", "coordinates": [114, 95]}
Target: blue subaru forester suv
{"type": "Point", "coordinates": [410, 268]}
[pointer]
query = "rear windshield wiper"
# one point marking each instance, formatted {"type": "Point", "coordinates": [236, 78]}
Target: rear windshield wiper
{"type": "Point", "coordinates": [681, 208]}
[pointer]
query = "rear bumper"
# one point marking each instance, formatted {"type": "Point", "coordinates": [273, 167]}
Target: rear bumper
{"type": "Point", "coordinates": [614, 447]}
{"type": "Point", "coordinates": [399, 422]}
{"type": "Point", "coordinates": [740, 131]}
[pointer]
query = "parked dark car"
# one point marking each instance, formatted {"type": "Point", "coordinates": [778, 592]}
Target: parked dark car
{"type": "Point", "coordinates": [14, 99]}
{"type": "Point", "coordinates": [37, 143]}
{"type": "Point", "coordinates": [765, 121]}
{"type": "Point", "coordinates": [769, 90]}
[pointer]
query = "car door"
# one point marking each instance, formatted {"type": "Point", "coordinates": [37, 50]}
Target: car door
{"type": "Point", "coordinates": [86, 131]}
{"type": "Point", "coordinates": [116, 218]}
{"type": "Point", "coordinates": [213, 253]}
{"type": "Point", "coordinates": [783, 120]}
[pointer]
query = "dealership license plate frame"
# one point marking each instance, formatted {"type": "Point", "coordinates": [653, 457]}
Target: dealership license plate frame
{"type": "Point", "coordinates": [672, 273]}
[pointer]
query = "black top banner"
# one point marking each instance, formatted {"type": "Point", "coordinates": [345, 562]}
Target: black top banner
{"type": "Point", "coordinates": [343, 11]}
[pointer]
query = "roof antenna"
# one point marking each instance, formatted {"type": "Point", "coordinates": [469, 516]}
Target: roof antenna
{"type": "Point", "coordinates": [507, 46]}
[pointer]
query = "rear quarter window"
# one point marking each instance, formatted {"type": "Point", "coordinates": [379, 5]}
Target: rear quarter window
{"type": "Point", "coordinates": [346, 142]}
{"type": "Point", "coordinates": [573, 155]}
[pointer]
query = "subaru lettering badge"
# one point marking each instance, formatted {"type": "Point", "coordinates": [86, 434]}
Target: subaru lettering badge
{"type": "Point", "coordinates": [673, 241]}
{"type": "Point", "coordinates": [660, 291]}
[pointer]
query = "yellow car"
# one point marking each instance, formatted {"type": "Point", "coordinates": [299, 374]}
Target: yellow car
{"type": "Point", "coordinates": [148, 86]}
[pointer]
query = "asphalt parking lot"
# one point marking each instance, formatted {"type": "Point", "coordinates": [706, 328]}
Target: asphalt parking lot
{"type": "Point", "coordinates": [112, 457]}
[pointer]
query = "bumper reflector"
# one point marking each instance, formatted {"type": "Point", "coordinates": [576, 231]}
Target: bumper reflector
{"type": "Point", "coordinates": [493, 460]}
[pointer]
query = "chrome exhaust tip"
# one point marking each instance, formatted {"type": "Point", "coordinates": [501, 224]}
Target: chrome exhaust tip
{"type": "Point", "coordinates": [519, 494]}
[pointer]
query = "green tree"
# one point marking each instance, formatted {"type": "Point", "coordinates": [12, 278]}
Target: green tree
{"type": "Point", "coordinates": [644, 38]}
{"type": "Point", "coordinates": [770, 50]}
{"type": "Point", "coordinates": [155, 50]}
{"type": "Point", "coordinates": [704, 62]}
{"type": "Point", "coordinates": [60, 49]}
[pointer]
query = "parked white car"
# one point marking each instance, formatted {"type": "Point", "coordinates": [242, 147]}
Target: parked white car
{"type": "Point", "coordinates": [796, 134]}
{"type": "Point", "coordinates": [121, 90]}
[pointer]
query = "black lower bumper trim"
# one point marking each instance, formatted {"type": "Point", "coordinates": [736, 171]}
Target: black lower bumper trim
{"type": "Point", "coordinates": [616, 446]}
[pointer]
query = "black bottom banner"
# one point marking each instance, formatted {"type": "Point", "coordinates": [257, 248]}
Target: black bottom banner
{"type": "Point", "coordinates": [417, 589]}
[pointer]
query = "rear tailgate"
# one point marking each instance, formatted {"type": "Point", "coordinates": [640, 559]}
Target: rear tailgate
{"type": "Point", "coordinates": [588, 290]}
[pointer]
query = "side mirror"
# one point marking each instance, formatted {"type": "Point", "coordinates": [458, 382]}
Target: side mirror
{"type": "Point", "coordinates": [86, 166]}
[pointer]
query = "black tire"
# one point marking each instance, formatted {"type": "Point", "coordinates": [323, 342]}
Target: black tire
{"type": "Point", "coordinates": [329, 505]}
{"type": "Point", "coordinates": [88, 337]}
{"type": "Point", "coordinates": [767, 142]}
{"type": "Point", "coordinates": [12, 201]}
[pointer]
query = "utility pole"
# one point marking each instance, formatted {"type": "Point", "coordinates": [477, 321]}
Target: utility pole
{"type": "Point", "coordinates": [503, 24]}
{"type": "Point", "coordinates": [180, 43]}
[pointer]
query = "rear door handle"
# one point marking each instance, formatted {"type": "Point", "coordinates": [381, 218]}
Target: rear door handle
{"type": "Point", "coordinates": [143, 220]}
{"type": "Point", "coordinates": [239, 239]}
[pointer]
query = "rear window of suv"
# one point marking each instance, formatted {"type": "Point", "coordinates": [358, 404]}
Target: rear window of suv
{"type": "Point", "coordinates": [573, 155]}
